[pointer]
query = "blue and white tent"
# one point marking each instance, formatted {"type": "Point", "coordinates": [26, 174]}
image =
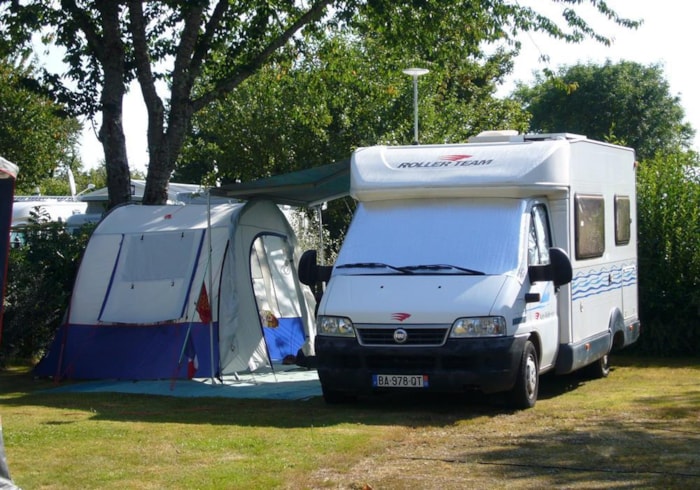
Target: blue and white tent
{"type": "Point", "coordinates": [163, 291]}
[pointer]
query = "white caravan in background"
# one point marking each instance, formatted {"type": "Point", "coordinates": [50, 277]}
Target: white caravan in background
{"type": "Point", "coordinates": [480, 266]}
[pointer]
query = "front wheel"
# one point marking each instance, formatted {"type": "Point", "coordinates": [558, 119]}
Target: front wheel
{"type": "Point", "coordinates": [524, 393]}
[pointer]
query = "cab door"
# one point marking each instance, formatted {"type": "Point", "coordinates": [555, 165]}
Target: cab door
{"type": "Point", "coordinates": [541, 300]}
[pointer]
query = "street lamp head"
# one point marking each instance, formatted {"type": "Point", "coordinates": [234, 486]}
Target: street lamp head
{"type": "Point", "coordinates": [415, 72]}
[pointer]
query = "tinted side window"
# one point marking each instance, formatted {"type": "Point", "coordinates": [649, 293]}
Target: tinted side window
{"type": "Point", "coordinates": [622, 220]}
{"type": "Point", "coordinates": [590, 226]}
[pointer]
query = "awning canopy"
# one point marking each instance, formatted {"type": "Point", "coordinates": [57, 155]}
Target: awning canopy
{"type": "Point", "coordinates": [309, 187]}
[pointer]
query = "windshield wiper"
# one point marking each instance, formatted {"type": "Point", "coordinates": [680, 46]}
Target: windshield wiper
{"type": "Point", "coordinates": [373, 265]}
{"type": "Point", "coordinates": [439, 267]}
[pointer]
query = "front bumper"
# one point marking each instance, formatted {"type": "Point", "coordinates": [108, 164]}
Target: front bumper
{"type": "Point", "coordinates": [486, 364]}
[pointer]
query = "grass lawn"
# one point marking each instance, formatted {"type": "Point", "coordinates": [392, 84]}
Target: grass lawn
{"type": "Point", "coordinates": [639, 428]}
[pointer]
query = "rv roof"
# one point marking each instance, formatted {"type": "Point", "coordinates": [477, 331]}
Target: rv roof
{"type": "Point", "coordinates": [521, 165]}
{"type": "Point", "coordinates": [511, 136]}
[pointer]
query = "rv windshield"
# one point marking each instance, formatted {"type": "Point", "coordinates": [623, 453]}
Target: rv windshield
{"type": "Point", "coordinates": [455, 236]}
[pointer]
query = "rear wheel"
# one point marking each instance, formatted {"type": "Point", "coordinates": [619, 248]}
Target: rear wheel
{"type": "Point", "coordinates": [600, 368]}
{"type": "Point", "coordinates": [524, 393]}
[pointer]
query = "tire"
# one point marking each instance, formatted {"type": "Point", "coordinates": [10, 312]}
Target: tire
{"type": "Point", "coordinates": [600, 368]}
{"type": "Point", "coordinates": [333, 397]}
{"type": "Point", "coordinates": [524, 393]}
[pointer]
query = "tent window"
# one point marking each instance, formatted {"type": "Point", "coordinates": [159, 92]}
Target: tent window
{"type": "Point", "coordinates": [155, 257]}
{"type": "Point", "coordinates": [152, 277]}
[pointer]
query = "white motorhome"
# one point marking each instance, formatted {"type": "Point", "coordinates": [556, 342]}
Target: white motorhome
{"type": "Point", "coordinates": [41, 209]}
{"type": "Point", "coordinates": [480, 266]}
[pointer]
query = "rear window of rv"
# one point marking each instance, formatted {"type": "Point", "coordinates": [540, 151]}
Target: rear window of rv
{"type": "Point", "coordinates": [622, 220]}
{"type": "Point", "coordinates": [590, 226]}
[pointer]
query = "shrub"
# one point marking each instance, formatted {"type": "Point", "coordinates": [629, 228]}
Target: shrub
{"type": "Point", "coordinates": [39, 283]}
{"type": "Point", "coordinates": [668, 199]}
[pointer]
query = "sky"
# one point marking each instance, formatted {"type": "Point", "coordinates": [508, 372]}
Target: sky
{"type": "Point", "coordinates": [668, 36]}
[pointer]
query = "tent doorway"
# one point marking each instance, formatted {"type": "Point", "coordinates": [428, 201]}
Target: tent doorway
{"type": "Point", "coordinates": [274, 286]}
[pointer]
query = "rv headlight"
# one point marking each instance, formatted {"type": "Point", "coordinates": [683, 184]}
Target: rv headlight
{"type": "Point", "coordinates": [485, 326]}
{"type": "Point", "coordinates": [337, 326]}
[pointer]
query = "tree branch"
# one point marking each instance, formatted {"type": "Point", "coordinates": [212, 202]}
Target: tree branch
{"type": "Point", "coordinates": [144, 73]}
{"type": "Point", "coordinates": [225, 86]}
{"type": "Point", "coordinates": [86, 25]}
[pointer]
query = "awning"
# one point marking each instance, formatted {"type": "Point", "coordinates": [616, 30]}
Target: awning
{"type": "Point", "coordinates": [309, 187]}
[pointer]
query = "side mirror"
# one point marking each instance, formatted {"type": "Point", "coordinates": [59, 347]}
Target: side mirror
{"type": "Point", "coordinates": [559, 269]}
{"type": "Point", "coordinates": [561, 266]}
{"type": "Point", "coordinates": [310, 273]}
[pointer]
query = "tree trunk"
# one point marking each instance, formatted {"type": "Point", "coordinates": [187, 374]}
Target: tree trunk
{"type": "Point", "coordinates": [114, 144]}
{"type": "Point", "coordinates": [193, 50]}
{"type": "Point", "coordinates": [112, 130]}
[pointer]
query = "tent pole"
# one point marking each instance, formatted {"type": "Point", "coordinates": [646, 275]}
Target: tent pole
{"type": "Point", "coordinates": [211, 290]}
{"type": "Point", "coordinates": [319, 216]}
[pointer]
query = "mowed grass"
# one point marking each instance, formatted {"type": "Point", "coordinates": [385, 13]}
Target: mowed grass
{"type": "Point", "coordinates": [639, 428]}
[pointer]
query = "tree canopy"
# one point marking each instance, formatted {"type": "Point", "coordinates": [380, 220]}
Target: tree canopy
{"type": "Point", "coordinates": [344, 94]}
{"type": "Point", "coordinates": [626, 103]}
{"type": "Point", "coordinates": [35, 132]}
{"type": "Point", "coordinates": [203, 50]}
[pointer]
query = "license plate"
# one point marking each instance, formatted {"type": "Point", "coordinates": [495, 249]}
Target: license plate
{"type": "Point", "coordinates": [399, 381]}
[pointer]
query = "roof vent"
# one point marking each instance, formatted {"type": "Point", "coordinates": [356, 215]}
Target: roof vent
{"type": "Point", "coordinates": [554, 136]}
{"type": "Point", "coordinates": [500, 136]}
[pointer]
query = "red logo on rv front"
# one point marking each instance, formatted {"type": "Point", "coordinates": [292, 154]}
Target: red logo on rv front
{"type": "Point", "coordinates": [455, 158]}
{"type": "Point", "coordinates": [400, 316]}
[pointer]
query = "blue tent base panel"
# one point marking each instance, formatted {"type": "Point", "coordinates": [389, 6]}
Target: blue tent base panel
{"type": "Point", "coordinates": [282, 382]}
{"type": "Point", "coordinates": [129, 352]}
{"type": "Point", "coordinates": [138, 352]}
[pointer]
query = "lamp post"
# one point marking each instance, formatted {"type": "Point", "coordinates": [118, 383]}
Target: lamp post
{"type": "Point", "coordinates": [415, 73]}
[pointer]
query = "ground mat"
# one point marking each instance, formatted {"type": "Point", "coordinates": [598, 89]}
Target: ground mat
{"type": "Point", "coordinates": [282, 384]}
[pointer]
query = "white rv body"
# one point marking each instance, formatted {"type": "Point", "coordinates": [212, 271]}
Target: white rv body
{"type": "Point", "coordinates": [450, 236]}
{"type": "Point", "coordinates": [58, 209]}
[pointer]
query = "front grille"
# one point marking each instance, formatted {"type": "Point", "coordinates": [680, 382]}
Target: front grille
{"type": "Point", "coordinates": [416, 335]}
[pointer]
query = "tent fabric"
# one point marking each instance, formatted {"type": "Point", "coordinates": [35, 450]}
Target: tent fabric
{"type": "Point", "coordinates": [137, 307]}
{"type": "Point", "coordinates": [307, 188]}
{"type": "Point", "coordinates": [240, 348]}
{"type": "Point", "coordinates": [8, 173]}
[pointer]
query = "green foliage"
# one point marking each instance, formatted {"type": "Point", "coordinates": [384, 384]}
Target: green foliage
{"type": "Point", "coordinates": [311, 234]}
{"type": "Point", "coordinates": [35, 133]}
{"type": "Point", "coordinates": [626, 103]}
{"type": "Point", "coordinates": [669, 254]}
{"type": "Point", "coordinates": [206, 50]}
{"type": "Point", "coordinates": [39, 283]}
{"type": "Point", "coordinates": [342, 94]}
{"type": "Point", "coordinates": [630, 104]}
{"type": "Point", "coordinates": [59, 183]}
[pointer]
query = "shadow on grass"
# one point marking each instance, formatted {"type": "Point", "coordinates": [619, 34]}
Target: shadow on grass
{"type": "Point", "coordinates": [606, 454]}
{"type": "Point", "coordinates": [19, 388]}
